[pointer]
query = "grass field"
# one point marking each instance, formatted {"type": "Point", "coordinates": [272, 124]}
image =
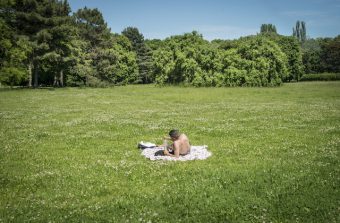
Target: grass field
{"type": "Point", "coordinates": [69, 155]}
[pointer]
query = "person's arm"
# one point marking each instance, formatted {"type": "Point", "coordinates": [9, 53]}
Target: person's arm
{"type": "Point", "coordinates": [176, 153]}
{"type": "Point", "coordinates": [166, 152]}
{"type": "Point", "coordinates": [164, 138]}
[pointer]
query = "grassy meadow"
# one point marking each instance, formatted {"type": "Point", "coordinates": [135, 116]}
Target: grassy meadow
{"type": "Point", "coordinates": [70, 155]}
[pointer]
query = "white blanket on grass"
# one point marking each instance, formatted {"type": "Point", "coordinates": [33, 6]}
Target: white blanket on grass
{"type": "Point", "coordinates": [196, 153]}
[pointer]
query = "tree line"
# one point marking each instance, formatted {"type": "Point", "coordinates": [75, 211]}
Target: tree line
{"type": "Point", "coordinates": [42, 44]}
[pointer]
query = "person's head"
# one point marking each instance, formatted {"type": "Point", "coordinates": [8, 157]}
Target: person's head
{"type": "Point", "coordinates": [174, 134]}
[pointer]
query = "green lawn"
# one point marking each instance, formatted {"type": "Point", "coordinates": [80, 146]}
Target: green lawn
{"type": "Point", "coordinates": [69, 155]}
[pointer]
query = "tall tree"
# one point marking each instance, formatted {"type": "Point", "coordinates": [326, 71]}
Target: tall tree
{"type": "Point", "coordinates": [112, 61]}
{"type": "Point", "coordinates": [92, 26]}
{"type": "Point", "coordinates": [300, 31]}
{"type": "Point", "coordinates": [330, 55]}
{"type": "Point", "coordinates": [59, 45]}
{"type": "Point", "coordinates": [291, 47]}
{"type": "Point", "coordinates": [35, 19]}
{"type": "Point", "coordinates": [144, 54]}
{"type": "Point", "coordinates": [312, 52]}
{"type": "Point", "coordinates": [95, 37]}
{"type": "Point", "coordinates": [268, 28]}
{"type": "Point", "coordinates": [60, 50]}
{"type": "Point", "coordinates": [13, 55]}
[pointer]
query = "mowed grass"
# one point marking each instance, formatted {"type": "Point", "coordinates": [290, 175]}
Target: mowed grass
{"type": "Point", "coordinates": [69, 155]}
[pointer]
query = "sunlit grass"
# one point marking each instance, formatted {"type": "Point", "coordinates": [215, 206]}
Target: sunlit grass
{"type": "Point", "coordinates": [69, 155]}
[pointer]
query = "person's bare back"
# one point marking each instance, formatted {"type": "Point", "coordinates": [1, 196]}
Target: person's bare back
{"type": "Point", "coordinates": [181, 144]}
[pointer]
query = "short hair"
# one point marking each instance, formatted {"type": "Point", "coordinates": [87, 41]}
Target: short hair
{"type": "Point", "coordinates": [174, 133]}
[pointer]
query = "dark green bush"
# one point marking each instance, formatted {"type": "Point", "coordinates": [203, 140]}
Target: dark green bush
{"type": "Point", "coordinates": [190, 60]}
{"type": "Point", "coordinates": [321, 77]}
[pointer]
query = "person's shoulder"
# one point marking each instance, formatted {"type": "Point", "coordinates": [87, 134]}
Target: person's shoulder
{"type": "Point", "coordinates": [177, 143]}
{"type": "Point", "coordinates": [184, 135]}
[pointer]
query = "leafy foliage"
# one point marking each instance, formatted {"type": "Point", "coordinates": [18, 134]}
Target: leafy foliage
{"type": "Point", "coordinates": [321, 55]}
{"type": "Point", "coordinates": [14, 53]}
{"type": "Point", "coordinates": [189, 59]}
{"type": "Point", "coordinates": [312, 56]}
{"type": "Point", "coordinates": [300, 31]}
{"type": "Point", "coordinates": [292, 49]}
{"type": "Point", "coordinates": [143, 52]}
{"type": "Point", "coordinates": [42, 44]}
{"type": "Point", "coordinates": [331, 55]}
{"type": "Point", "coordinates": [108, 58]}
{"type": "Point", "coordinates": [321, 77]}
{"type": "Point", "coordinates": [268, 28]}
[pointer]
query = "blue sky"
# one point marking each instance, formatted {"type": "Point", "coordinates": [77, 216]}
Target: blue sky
{"type": "Point", "coordinates": [217, 19]}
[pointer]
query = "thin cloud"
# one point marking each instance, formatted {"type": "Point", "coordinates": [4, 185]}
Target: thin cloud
{"type": "Point", "coordinates": [211, 32]}
{"type": "Point", "coordinates": [303, 13]}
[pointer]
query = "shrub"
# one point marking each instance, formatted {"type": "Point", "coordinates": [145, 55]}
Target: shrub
{"type": "Point", "coordinates": [12, 75]}
{"type": "Point", "coordinates": [189, 60]}
{"type": "Point", "coordinates": [321, 77]}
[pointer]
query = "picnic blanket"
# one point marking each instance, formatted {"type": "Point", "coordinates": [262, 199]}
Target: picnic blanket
{"type": "Point", "coordinates": [196, 153]}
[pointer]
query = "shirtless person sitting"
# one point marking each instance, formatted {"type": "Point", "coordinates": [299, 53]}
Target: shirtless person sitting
{"type": "Point", "coordinates": [180, 146]}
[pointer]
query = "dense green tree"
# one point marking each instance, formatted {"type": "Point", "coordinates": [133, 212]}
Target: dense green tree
{"type": "Point", "coordinates": [92, 26]}
{"type": "Point", "coordinates": [135, 37]}
{"type": "Point", "coordinates": [292, 49]}
{"type": "Point", "coordinates": [108, 58]}
{"type": "Point", "coordinates": [123, 41]}
{"type": "Point", "coordinates": [224, 44]}
{"type": "Point", "coordinates": [312, 56]}
{"type": "Point", "coordinates": [14, 51]}
{"type": "Point", "coordinates": [330, 55]}
{"type": "Point", "coordinates": [40, 43]}
{"type": "Point", "coordinates": [176, 61]}
{"type": "Point", "coordinates": [143, 52]}
{"type": "Point", "coordinates": [33, 19]}
{"type": "Point", "coordinates": [321, 55]}
{"type": "Point", "coordinates": [154, 44]}
{"type": "Point", "coordinates": [190, 60]}
{"type": "Point", "coordinates": [6, 35]}
{"type": "Point", "coordinates": [94, 34]}
{"type": "Point", "coordinates": [268, 28]}
{"type": "Point", "coordinates": [294, 55]}
{"type": "Point", "coordinates": [263, 61]}
{"type": "Point", "coordinates": [60, 49]}
{"type": "Point", "coordinates": [144, 60]}
{"type": "Point", "coordinates": [81, 69]}
{"type": "Point", "coordinates": [116, 65]}
{"type": "Point", "coordinates": [56, 39]}
{"type": "Point", "coordinates": [300, 31]}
